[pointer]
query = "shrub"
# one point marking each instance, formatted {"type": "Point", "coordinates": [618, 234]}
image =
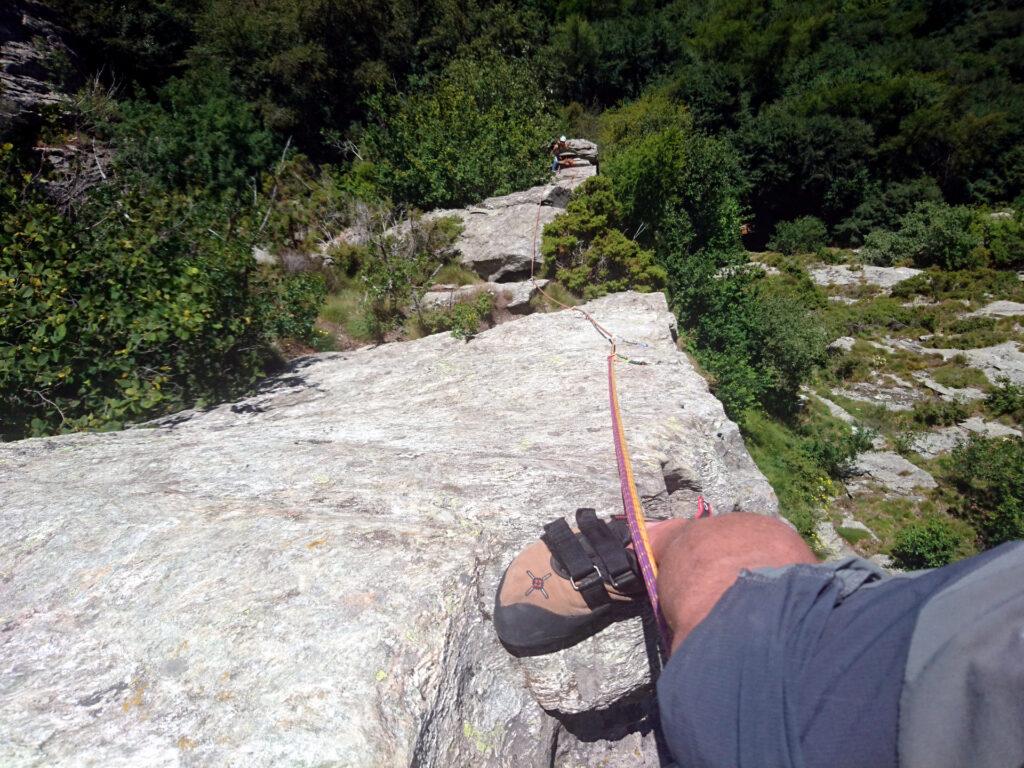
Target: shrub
{"type": "Point", "coordinates": [199, 133]}
{"type": "Point", "coordinates": [933, 234]}
{"type": "Point", "coordinates": [989, 473]}
{"type": "Point", "coordinates": [402, 255]}
{"type": "Point", "coordinates": [929, 543]}
{"type": "Point", "coordinates": [754, 334]}
{"type": "Point", "coordinates": [1007, 400]}
{"type": "Point", "coordinates": [805, 235]}
{"type": "Point", "coordinates": [293, 304]}
{"type": "Point", "coordinates": [584, 251]}
{"type": "Point", "coordinates": [463, 319]}
{"type": "Point", "coordinates": [481, 128]}
{"type": "Point", "coordinates": [679, 189]}
{"type": "Point", "coordinates": [834, 449]}
{"type": "Point", "coordinates": [1002, 237]}
{"type": "Point", "coordinates": [938, 413]}
{"type": "Point", "coordinates": [143, 304]}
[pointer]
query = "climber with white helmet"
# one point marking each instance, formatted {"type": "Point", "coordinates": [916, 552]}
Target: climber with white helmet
{"type": "Point", "coordinates": [556, 149]}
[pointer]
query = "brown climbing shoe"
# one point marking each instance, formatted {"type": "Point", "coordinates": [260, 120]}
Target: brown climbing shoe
{"type": "Point", "coordinates": [568, 586]}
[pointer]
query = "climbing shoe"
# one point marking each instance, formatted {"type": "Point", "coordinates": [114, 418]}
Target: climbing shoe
{"type": "Point", "coordinates": [568, 586]}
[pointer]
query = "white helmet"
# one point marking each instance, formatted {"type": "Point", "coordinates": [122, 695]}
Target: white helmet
{"type": "Point", "coordinates": [562, 138]}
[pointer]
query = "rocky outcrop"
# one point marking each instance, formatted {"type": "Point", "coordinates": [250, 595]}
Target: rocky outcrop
{"type": "Point", "coordinates": [885, 389]}
{"type": "Point", "coordinates": [998, 362]}
{"type": "Point", "coordinates": [843, 275]}
{"type": "Point", "coordinates": [889, 473]}
{"type": "Point", "coordinates": [945, 439]}
{"type": "Point", "coordinates": [306, 576]}
{"type": "Point", "coordinates": [32, 55]}
{"type": "Point", "coordinates": [498, 237]}
{"type": "Point", "coordinates": [999, 309]}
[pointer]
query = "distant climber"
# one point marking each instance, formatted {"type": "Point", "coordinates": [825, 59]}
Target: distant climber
{"type": "Point", "coordinates": [557, 148]}
{"type": "Point", "coordinates": [778, 660]}
{"type": "Point", "coordinates": [568, 153]}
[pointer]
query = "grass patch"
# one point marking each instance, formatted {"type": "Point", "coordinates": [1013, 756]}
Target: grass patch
{"type": "Point", "coordinates": [557, 293]}
{"type": "Point", "coordinates": [853, 535]}
{"type": "Point", "coordinates": [801, 485]}
{"type": "Point", "coordinates": [975, 285]}
{"type": "Point", "coordinates": [456, 274]}
{"type": "Point", "coordinates": [346, 308]}
{"type": "Point", "coordinates": [960, 376]}
{"type": "Point", "coordinates": [877, 317]}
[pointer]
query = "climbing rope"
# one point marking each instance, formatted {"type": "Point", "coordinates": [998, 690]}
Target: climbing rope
{"type": "Point", "coordinates": [630, 498]}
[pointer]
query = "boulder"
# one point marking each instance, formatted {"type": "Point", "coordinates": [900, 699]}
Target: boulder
{"type": "Point", "coordinates": [842, 345]}
{"type": "Point", "coordinates": [889, 472]}
{"type": "Point", "coordinates": [515, 297]}
{"type": "Point", "coordinates": [887, 390]}
{"type": "Point", "coordinates": [499, 234]}
{"type": "Point", "coordinates": [949, 394]}
{"type": "Point", "coordinates": [844, 275]}
{"type": "Point", "coordinates": [834, 546]}
{"type": "Point", "coordinates": [837, 411]}
{"type": "Point", "coordinates": [582, 149]}
{"type": "Point", "coordinates": [306, 577]}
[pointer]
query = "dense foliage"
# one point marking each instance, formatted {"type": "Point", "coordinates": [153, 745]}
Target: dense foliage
{"type": "Point", "coordinates": [990, 475]}
{"type": "Point", "coordinates": [481, 128]}
{"type": "Point", "coordinates": [584, 250]}
{"type": "Point", "coordinates": [137, 306]}
{"type": "Point", "coordinates": [929, 543]}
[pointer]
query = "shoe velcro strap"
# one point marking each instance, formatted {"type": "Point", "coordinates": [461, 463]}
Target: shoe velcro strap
{"type": "Point", "coordinates": [584, 574]}
{"type": "Point", "coordinates": [616, 566]}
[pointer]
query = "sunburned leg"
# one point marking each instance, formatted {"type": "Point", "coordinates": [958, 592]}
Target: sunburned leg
{"type": "Point", "coordinates": [699, 560]}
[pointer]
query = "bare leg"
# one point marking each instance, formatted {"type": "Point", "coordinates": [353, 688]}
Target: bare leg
{"type": "Point", "coordinates": [699, 560]}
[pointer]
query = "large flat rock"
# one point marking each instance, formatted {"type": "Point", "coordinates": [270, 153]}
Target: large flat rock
{"type": "Point", "coordinates": [306, 577]}
{"type": "Point", "coordinates": [844, 275]}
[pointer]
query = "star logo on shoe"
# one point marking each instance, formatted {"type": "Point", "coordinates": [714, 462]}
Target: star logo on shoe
{"type": "Point", "coordinates": [537, 584]}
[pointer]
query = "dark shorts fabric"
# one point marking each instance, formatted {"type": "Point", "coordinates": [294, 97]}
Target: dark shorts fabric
{"type": "Point", "coordinates": [804, 666]}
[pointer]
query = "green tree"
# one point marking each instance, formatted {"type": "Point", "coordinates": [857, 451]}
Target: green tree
{"type": "Point", "coordinates": [930, 543]}
{"type": "Point", "coordinates": [989, 473]}
{"type": "Point", "coordinates": [584, 250]}
{"type": "Point", "coordinates": [804, 235]}
{"type": "Point", "coordinates": [482, 128]}
{"type": "Point", "coordinates": [143, 304]}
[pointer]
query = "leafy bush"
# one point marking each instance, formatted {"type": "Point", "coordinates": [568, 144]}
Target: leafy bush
{"type": "Point", "coordinates": [1002, 236]}
{"type": "Point", "coordinates": [294, 304]}
{"type": "Point", "coordinates": [463, 319]}
{"type": "Point", "coordinates": [145, 303]}
{"type": "Point", "coordinates": [834, 449]}
{"type": "Point", "coordinates": [989, 474]}
{"type": "Point", "coordinates": [929, 543]}
{"type": "Point", "coordinates": [199, 133]}
{"type": "Point", "coordinates": [679, 190]}
{"type": "Point", "coordinates": [1007, 400]}
{"type": "Point", "coordinates": [481, 128]}
{"type": "Point", "coordinates": [882, 208]}
{"type": "Point", "coordinates": [584, 251]}
{"type": "Point", "coordinates": [805, 235]}
{"type": "Point", "coordinates": [933, 234]}
{"type": "Point", "coordinates": [754, 334]}
{"type": "Point", "coordinates": [401, 256]}
{"type": "Point", "coordinates": [938, 413]}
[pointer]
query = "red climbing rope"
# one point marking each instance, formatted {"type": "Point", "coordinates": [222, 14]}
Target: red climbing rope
{"type": "Point", "coordinates": [630, 498]}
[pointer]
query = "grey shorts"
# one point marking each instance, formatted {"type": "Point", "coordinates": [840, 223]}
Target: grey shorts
{"type": "Point", "coordinates": [839, 665]}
